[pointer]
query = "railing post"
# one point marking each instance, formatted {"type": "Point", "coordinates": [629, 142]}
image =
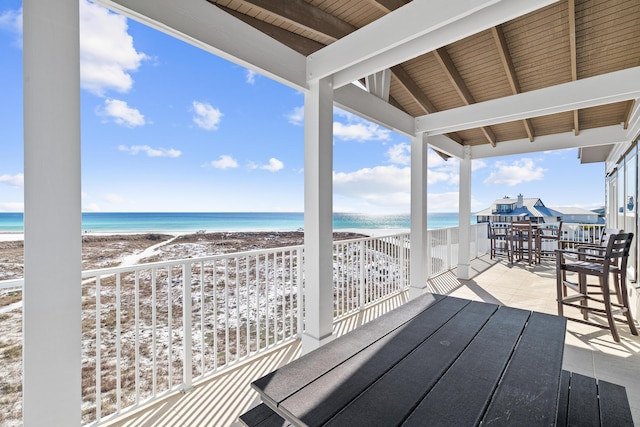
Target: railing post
{"type": "Point", "coordinates": [401, 262]}
{"type": "Point", "coordinates": [429, 253]}
{"type": "Point", "coordinates": [362, 275]}
{"type": "Point", "coordinates": [300, 307]}
{"type": "Point", "coordinates": [187, 340]}
{"type": "Point", "coordinates": [449, 249]}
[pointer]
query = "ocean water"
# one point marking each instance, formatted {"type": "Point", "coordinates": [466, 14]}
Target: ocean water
{"type": "Point", "coordinates": [130, 222]}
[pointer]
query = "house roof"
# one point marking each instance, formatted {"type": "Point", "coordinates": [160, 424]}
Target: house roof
{"type": "Point", "coordinates": [485, 78]}
{"type": "Point", "coordinates": [532, 207]}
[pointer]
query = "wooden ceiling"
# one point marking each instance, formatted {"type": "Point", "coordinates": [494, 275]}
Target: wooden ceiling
{"type": "Point", "coordinates": [566, 41]}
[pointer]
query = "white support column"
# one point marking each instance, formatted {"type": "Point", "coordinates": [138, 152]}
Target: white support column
{"type": "Point", "coordinates": [318, 215]}
{"type": "Point", "coordinates": [52, 215]}
{"type": "Point", "coordinates": [464, 216]}
{"type": "Point", "coordinates": [419, 258]}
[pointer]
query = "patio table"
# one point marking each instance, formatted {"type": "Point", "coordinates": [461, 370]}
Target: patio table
{"type": "Point", "coordinates": [436, 360]}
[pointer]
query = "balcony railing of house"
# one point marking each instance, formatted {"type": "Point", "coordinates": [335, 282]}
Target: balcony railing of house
{"type": "Point", "coordinates": [236, 306]}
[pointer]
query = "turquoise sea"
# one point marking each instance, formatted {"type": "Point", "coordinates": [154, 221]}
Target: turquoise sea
{"type": "Point", "coordinates": [128, 222]}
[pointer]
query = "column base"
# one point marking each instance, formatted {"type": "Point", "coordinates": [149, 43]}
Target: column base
{"type": "Point", "coordinates": [310, 343]}
{"type": "Point", "coordinates": [416, 292]}
{"type": "Point", "coordinates": [464, 271]}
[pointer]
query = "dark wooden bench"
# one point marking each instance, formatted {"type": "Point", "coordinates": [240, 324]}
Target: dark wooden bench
{"type": "Point", "coordinates": [583, 401]}
{"type": "Point", "coordinates": [586, 401]}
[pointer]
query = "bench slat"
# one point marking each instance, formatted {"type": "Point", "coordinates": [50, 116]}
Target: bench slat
{"type": "Point", "coordinates": [614, 405]}
{"type": "Point", "coordinates": [262, 416]}
{"type": "Point", "coordinates": [531, 382]}
{"type": "Point", "coordinates": [280, 383]}
{"type": "Point", "coordinates": [583, 401]}
{"type": "Point", "coordinates": [473, 377]}
{"type": "Point", "coordinates": [563, 399]}
{"type": "Point", "coordinates": [320, 400]}
{"type": "Point", "coordinates": [587, 401]}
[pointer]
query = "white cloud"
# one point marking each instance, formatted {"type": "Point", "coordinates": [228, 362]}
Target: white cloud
{"type": "Point", "coordinates": [151, 152]}
{"type": "Point", "coordinates": [388, 189]}
{"type": "Point", "coordinates": [11, 21]}
{"type": "Point", "coordinates": [522, 170]}
{"type": "Point", "coordinates": [400, 154]}
{"type": "Point", "coordinates": [251, 77]}
{"type": "Point", "coordinates": [380, 186]}
{"type": "Point", "coordinates": [441, 170]}
{"type": "Point", "coordinates": [478, 164]}
{"type": "Point", "coordinates": [12, 207]}
{"type": "Point", "coordinates": [91, 207]}
{"type": "Point", "coordinates": [360, 132]}
{"type": "Point", "coordinates": [357, 129]}
{"type": "Point", "coordinates": [114, 198]}
{"type": "Point", "coordinates": [224, 162]}
{"type": "Point", "coordinates": [107, 54]}
{"type": "Point", "coordinates": [296, 116]}
{"type": "Point", "coordinates": [274, 165]}
{"type": "Point", "coordinates": [121, 113]}
{"type": "Point", "coordinates": [206, 116]}
{"type": "Point", "coordinates": [443, 202]}
{"type": "Point", "coordinates": [16, 180]}
{"type": "Point", "coordinates": [353, 128]}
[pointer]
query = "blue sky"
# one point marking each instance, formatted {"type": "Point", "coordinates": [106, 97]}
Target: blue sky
{"type": "Point", "coordinates": [168, 127]}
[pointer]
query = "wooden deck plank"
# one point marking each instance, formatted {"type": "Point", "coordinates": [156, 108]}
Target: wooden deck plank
{"type": "Point", "coordinates": [320, 400]}
{"type": "Point", "coordinates": [415, 375]}
{"type": "Point", "coordinates": [531, 382]}
{"type": "Point", "coordinates": [282, 383]}
{"type": "Point", "coordinates": [474, 375]}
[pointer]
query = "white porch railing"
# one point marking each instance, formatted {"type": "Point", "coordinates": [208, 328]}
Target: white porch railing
{"type": "Point", "coordinates": [236, 306]}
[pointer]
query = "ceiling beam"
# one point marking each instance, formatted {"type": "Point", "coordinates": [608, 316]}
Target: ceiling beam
{"type": "Point", "coordinates": [418, 95]}
{"type": "Point", "coordinates": [412, 88]}
{"type": "Point", "coordinates": [442, 144]}
{"type": "Point", "coordinates": [296, 42]}
{"type": "Point", "coordinates": [360, 102]}
{"type": "Point", "coordinates": [587, 138]}
{"type": "Point", "coordinates": [389, 5]}
{"type": "Point", "coordinates": [632, 125]}
{"type": "Point", "coordinates": [573, 58]}
{"type": "Point", "coordinates": [607, 88]}
{"type": "Point", "coordinates": [301, 13]}
{"type": "Point", "coordinates": [410, 31]}
{"type": "Point", "coordinates": [510, 71]}
{"type": "Point", "coordinates": [213, 30]}
{"type": "Point", "coordinates": [458, 84]}
{"type": "Point", "coordinates": [326, 25]}
{"type": "Point", "coordinates": [630, 109]}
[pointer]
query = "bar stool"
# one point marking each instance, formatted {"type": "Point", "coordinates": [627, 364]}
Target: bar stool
{"type": "Point", "coordinates": [499, 240]}
{"type": "Point", "coordinates": [601, 263]}
{"type": "Point", "coordinates": [548, 240]}
{"type": "Point", "coordinates": [522, 241]}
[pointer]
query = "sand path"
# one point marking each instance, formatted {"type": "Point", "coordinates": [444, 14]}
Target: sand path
{"type": "Point", "coordinates": [133, 259]}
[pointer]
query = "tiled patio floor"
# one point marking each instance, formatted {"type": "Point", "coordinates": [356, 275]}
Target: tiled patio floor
{"type": "Point", "coordinates": [219, 401]}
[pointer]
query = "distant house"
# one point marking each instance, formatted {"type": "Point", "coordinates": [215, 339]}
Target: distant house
{"type": "Point", "coordinates": [509, 209]}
